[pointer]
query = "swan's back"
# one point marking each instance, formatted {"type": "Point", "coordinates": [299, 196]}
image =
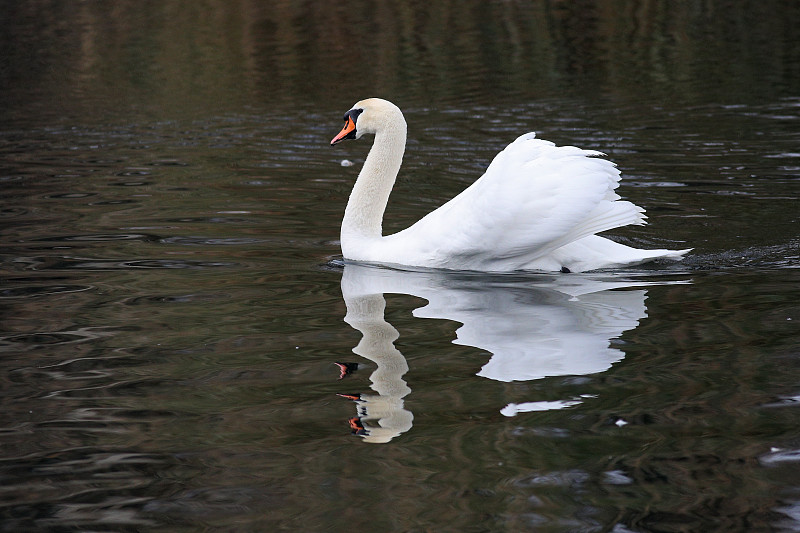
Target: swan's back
{"type": "Point", "coordinates": [533, 199]}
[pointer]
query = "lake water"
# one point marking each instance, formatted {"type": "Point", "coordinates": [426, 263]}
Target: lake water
{"type": "Point", "coordinates": [174, 303]}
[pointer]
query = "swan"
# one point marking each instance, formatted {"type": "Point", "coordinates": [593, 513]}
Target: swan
{"type": "Point", "coordinates": [538, 206]}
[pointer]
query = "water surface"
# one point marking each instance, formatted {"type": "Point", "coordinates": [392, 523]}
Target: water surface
{"type": "Point", "coordinates": [174, 302]}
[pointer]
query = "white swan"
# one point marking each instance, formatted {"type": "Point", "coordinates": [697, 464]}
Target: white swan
{"type": "Point", "coordinates": [538, 206]}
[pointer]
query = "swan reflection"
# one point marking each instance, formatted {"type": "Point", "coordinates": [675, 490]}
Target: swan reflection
{"type": "Point", "coordinates": [381, 416]}
{"type": "Point", "coordinates": [534, 326]}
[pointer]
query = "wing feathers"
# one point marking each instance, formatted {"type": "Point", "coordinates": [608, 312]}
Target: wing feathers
{"type": "Point", "coordinates": [534, 198]}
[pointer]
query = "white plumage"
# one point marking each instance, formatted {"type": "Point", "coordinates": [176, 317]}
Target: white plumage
{"type": "Point", "coordinates": [538, 207]}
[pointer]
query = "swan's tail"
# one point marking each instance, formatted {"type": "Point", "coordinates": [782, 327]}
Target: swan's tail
{"type": "Point", "coordinates": [608, 215]}
{"type": "Point", "coordinates": [593, 252]}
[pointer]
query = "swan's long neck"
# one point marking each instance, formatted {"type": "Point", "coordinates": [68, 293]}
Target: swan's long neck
{"type": "Point", "coordinates": [363, 216]}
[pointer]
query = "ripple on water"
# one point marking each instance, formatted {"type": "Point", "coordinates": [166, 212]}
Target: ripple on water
{"type": "Point", "coordinates": [32, 291]}
{"type": "Point", "coordinates": [28, 341]}
{"type": "Point", "coordinates": [72, 263]}
{"type": "Point", "coordinates": [777, 256]}
{"type": "Point", "coordinates": [12, 212]}
{"type": "Point", "coordinates": [182, 298]}
{"type": "Point", "coordinates": [98, 237]}
{"type": "Point", "coordinates": [90, 487]}
{"type": "Point", "coordinates": [70, 195]}
{"type": "Point", "coordinates": [207, 220]}
{"type": "Point", "coordinates": [200, 241]}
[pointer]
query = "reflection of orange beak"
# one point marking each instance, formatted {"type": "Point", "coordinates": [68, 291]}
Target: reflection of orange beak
{"type": "Point", "coordinates": [348, 132]}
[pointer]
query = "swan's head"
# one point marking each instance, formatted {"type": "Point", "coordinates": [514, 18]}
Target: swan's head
{"type": "Point", "coordinates": [369, 116]}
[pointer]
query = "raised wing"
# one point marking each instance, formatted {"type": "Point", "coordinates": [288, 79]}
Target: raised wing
{"type": "Point", "coordinates": [533, 198]}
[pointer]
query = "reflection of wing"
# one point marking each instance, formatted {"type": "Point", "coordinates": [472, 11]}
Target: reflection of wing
{"type": "Point", "coordinates": [534, 326]}
{"type": "Point", "coordinates": [572, 338]}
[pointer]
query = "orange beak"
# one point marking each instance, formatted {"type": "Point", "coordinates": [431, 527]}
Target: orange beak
{"type": "Point", "coordinates": [348, 132]}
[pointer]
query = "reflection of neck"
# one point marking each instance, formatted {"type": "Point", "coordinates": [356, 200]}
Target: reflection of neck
{"type": "Point", "coordinates": [385, 416]}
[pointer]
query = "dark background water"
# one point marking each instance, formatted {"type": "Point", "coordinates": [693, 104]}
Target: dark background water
{"type": "Point", "coordinates": [172, 301]}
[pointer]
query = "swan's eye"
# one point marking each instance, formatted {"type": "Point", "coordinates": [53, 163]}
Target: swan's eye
{"type": "Point", "coordinates": [353, 114]}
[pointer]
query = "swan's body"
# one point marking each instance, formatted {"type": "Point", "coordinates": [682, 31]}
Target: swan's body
{"type": "Point", "coordinates": [538, 206]}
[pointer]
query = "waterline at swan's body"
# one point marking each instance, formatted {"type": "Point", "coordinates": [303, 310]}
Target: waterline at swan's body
{"type": "Point", "coordinates": [537, 207]}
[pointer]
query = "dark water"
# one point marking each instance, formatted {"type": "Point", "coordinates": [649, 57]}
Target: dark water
{"type": "Point", "coordinates": [173, 299]}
